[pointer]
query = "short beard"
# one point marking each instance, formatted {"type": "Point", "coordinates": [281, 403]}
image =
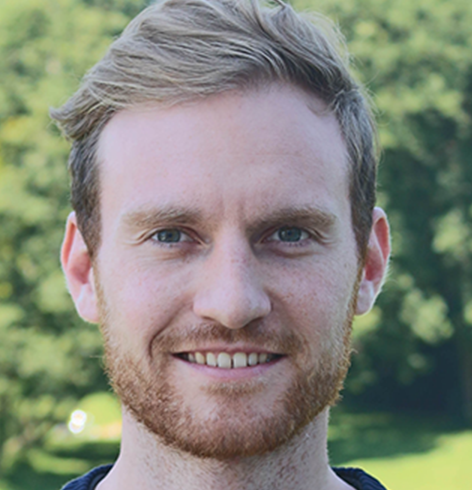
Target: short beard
{"type": "Point", "coordinates": [236, 430]}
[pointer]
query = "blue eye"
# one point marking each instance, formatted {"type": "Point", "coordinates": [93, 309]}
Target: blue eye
{"type": "Point", "coordinates": [291, 234]}
{"type": "Point", "coordinates": [169, 236]}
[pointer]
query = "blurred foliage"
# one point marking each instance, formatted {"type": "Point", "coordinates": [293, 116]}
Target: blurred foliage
{"type": "Point", "coordinates": [48, 358]}
{"type": "Point", "coordinates": [414, 349]}
{"type": "Point", "coordinates": [415, 58]}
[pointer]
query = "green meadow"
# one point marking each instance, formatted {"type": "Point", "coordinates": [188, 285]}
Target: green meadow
{"type": "Point", "coordinates": [404, 452]}
{"type": "Point", "coordinates": [446, 466]}
{"type": "Point", "coordinates": [413, 351]}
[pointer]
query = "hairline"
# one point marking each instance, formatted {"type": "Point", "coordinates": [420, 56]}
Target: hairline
{"type": "Point", "coordinates": [256, 86]}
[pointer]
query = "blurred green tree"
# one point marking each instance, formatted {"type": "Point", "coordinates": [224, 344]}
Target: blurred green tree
{"type": "Point", "coordinates": [45, 351]}
{"type": "Point", "coordinates": [415, 57]}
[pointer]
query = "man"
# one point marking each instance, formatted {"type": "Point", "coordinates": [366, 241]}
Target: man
{"type": "Point", "coordinates": [224, 235]}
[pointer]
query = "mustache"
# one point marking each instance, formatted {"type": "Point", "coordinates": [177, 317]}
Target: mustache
{"type": "Point", "coordinates": [195, 336]}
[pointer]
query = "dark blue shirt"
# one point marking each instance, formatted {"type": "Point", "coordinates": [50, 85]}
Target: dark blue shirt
{"type": "Point", "coordinates": [357, 478]}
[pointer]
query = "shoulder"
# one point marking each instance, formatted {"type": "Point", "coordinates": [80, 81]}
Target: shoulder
{"type": "Point", "coordinates": [89, 480]}
{"type": "Point", "coordinates": [359, 479]}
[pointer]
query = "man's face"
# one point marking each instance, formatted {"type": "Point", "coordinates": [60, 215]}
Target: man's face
{"type": "Point", "coordinates": [226, 237]}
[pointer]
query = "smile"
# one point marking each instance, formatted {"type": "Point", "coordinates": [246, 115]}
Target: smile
{"type": "Point", "coordinates": [224, 360]}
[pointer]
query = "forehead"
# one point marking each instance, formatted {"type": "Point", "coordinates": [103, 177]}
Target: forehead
{"type": "Point", "coordinates": [243, 152]}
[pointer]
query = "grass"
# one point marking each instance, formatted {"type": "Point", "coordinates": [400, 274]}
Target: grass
{"type": "Point", "coordinates": [405, 453]}
{"type": "Point", "coordinates": [50, 468]}
{"type": "Point", "coordinates": [446, 467]}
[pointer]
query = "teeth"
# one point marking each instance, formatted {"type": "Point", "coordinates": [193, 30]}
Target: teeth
{"type": "Point", "coordinates": [200, 358]}
{"type": "Point", "coordinates": [253, 359]}
{"type": "Point", "coordinates": [240, 360]}
{"type": "Point", "coordinates": [211, 360]}
{"type": "Point", "coordinates": [226, 361]}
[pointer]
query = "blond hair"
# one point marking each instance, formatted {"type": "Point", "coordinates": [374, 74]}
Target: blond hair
{"type": "Point", "coordinates": [178, 50]}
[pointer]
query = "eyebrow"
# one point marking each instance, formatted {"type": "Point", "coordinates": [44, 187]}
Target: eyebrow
{"type": "Point", "coordinates": [148, 218]}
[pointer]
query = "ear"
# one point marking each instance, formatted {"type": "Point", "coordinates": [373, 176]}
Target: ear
{"type": "Point", "coordinates": [78, 269]}
{"type": "Point", "coordinates": [376, 262]}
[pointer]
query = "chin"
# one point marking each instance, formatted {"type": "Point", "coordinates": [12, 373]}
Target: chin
{"type": "Point", "coordinates": [233, 427]}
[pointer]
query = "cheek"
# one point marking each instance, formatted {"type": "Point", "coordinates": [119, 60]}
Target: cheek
{"type": "Point", "coordinates": [316, 301]}
{"type": "Point", "coordinates": [141, 303]}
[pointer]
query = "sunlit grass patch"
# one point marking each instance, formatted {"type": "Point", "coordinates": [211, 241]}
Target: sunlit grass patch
{"type": "Point", "coordinates": [447, 467]}
{"type": "Point", "coordinates": [404, 453]}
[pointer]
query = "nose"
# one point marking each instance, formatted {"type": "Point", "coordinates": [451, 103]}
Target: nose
{"type": "Point", "coordinates": [230, 288]}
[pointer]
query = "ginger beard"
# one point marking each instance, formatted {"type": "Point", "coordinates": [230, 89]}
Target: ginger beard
{"type": "Point", "coordinates": [235, 430]}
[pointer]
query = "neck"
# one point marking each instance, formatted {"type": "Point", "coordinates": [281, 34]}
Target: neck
{"type": "Point", "coordinates": [146, 463]}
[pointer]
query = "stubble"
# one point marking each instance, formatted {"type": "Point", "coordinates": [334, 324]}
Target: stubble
{"type": "Point", "coordinates": [236, 429]}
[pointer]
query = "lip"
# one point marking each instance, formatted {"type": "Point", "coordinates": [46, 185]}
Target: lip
{"type": "Point", "coordinates": [231, 350]}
